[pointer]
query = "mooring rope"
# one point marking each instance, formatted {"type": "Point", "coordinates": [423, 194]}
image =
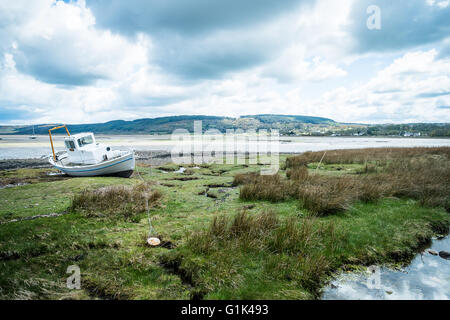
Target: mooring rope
{"type": "Point", "coordinates": [151, 230]}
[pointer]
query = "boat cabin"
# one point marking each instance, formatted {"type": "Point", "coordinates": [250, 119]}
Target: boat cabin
{"type": "Point", "coordinates": [83, 149]}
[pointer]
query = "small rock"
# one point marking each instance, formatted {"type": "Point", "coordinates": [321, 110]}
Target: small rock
{"type": "Point", "coordinates": [333, 286]}
{"type": "Point", "coordinates": [444, 255]}
{"type": "Point", "coordinates": [434, 253]}
{"type": "Point", "coordinates": [389, 292]}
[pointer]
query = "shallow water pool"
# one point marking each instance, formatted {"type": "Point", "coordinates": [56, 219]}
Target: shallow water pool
{"type": "Point", "coordinates": [426, 278]}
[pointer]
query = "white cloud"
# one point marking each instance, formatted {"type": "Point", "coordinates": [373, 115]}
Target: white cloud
{"type": "Point", "coordinates": [57, 64]}
{"type": "Point", "coordinates": [413, 87]}
{"type": "Point", "coordinates": [441, 4]}
{"type": "Point", "coordinates": [60, 45]}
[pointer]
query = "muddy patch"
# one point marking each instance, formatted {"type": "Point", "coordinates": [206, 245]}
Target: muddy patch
{"type": "Point", "coordinates": [218, 185]}
{"type": "Point", "coordinates": [152, 158]}
{"type": "Point", "coordinates": [12, 164]}
{"type": "Point", "coordinates": [173, 264]}
{"type": "Point", "coordinates": [208, 193]}
{"type": "Point", "coordinates": [166, 169]}
{"type": "Point", "coordinates": [168, 185]}
{"type": "Point", "coordinates": [27, 254]}
{"type": "Point", "coordinates": [184, 178]}
{"type": "Point", "coordinates": [105, 290]}
{"type": "Point", "coordinates": [12, 185]}
{"type": "Point", "coordinates": [220, 172]}
{"type": "Point", "coordinates": [167, 245]}
{"type": "Point", "coordinates": [219, 195]}
{"type": "Point", "coordinates": [211, 195]}
{"type": "Point", "coordinates": [9, 180]}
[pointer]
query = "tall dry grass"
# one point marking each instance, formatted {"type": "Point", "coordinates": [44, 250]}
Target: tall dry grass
{"type": "Point", "coordinates": [422, 174]}
{"type": "Point", "coordinates": [264, 231]}
{"type": "Point", "coordinates": [115, 201]}
{"type": "Point", "coordinates": [264, 187]}
{"type": "Point", "coordinates": [245, 178]}
{"type": "Point", "coordinates": [362, 156]}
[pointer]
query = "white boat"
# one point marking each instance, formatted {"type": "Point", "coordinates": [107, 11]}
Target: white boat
{"type": "Point", "coordinates": [84, 157]}
{"type": "Point", "coordinates": [33, 136]}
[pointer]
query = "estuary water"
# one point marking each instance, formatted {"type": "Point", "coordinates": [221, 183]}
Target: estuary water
{"type": "Point", "coordinates": [21, 147]}
{"type": "Point", "coordinates": [426, 278]}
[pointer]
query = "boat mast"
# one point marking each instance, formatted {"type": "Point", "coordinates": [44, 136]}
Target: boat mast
{"type": "Point", "coordinates": [51, 140]}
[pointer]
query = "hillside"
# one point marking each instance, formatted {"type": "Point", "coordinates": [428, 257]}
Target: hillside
{"type": "Point", "coordinates": [288, 125]}
{"type": "Point", "coordinates": [166, 125]}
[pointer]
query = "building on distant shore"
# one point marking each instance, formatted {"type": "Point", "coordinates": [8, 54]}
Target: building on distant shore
{"type": "Point", "coordinates": [412, 134]}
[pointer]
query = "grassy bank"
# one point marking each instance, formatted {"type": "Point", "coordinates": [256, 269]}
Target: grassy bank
{"type": "Point", "coordinates": [226, 231]}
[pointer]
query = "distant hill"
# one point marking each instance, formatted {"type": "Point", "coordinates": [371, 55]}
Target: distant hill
{"type": "Point", "coordinates": [273, 118]}
{"type": "Point", "coordinates": [166, 125]}
{"type": "Point", "coordinates": [288, 125]}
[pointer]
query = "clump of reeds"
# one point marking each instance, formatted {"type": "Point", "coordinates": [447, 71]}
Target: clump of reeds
{"type": "Point", "coordinates": [264, 231]}
{"type": "Point", "coordinates": [425, 179]}
{"type": "Point", "coordinates": [264, 187]}
{"type": "Point", "coordinates": [249, 230]}
{"type": "Point", "coordinates": [297, 174]}
{"type": "Point", "coordinates": [362, 156]}
{"type": "Point", "coordinates": [327, 195]}
{"type": "Point", "coordinates": [296, 236]}
{"type": "Point", "coordinates": [422, 174]}
{"type": "Point", "coordinates": [245, 178]}
{"type": "Point", "coordinates": [116, 201]}
{"type": "Point", "coordinates": [369, 168]}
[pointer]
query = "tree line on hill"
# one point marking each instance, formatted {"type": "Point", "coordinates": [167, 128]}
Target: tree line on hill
{"type": "Point", "coordinates": [288, 125]}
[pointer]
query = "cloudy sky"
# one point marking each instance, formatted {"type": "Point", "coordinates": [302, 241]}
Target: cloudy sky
{"type": "Point", "coordinates": [99, 60]}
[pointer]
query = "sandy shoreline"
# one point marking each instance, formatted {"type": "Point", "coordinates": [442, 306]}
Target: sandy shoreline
{"type": "Point", "coordinates": [156, 158]}
{"type": "Point", "coordinates": [146, 157]}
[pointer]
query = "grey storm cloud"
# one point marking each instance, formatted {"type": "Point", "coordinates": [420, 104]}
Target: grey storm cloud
{"type": "Point", "coordinates": [49, 63]}
{"type": "Point", "coordinates": [404, 24]}
{"type": "Point", "coordinates": [185, 17]}
{"type": "Point", "coordinates": [198, 39]}
{"type": "Point", "coordinates": [211, 57]}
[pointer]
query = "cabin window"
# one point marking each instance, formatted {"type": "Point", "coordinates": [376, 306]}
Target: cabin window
{"type": "Point", "coordinates": [85, 141]}
{"type": "Point", "coordinates": [70, 144]}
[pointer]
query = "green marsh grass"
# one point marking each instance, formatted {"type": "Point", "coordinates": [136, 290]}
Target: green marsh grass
{"type": "Point", "coordinates": [260, 246]}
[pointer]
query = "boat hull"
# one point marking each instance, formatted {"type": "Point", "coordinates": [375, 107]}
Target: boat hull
{"type": "Point", "coordinates": [122, 166]}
